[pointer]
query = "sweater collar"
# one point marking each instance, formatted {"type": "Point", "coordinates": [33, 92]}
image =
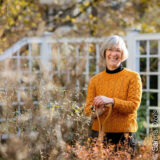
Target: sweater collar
{"type": "Point", "coordinates": [120, 68]}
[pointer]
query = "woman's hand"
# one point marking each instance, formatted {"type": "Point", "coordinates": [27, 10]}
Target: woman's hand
{"type": "Point", "coordinates": [102, 100]}
{"type": "Point", "coordinates": [99, 111]}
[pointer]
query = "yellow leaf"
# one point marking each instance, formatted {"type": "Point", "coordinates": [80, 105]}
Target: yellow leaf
{"type": "Point", "coordinates": [33, 24]}
{"type": "Point", "coordinates": [86, 4]}
{"type": "Point", "coordinates": [4, 39]}
{"type": "Point", "coordinates": [52, 109]}
{"type": "Point", "coordinates": [90, 16]}
{"type": "Point", "coordinates": [68, 17]}
{"type": "Point", "coordinates": [81, 9]}
{"type": "Point", "coordinates": [73, 20]}
{"type": "Point", "coordinates": [10, 21]}
{"type": "Point", "coordinates": [20, 17]}
{"type": "Point", "coordinates": [1, 32]}
{"type": "Point", "coordinates": [18, 7]}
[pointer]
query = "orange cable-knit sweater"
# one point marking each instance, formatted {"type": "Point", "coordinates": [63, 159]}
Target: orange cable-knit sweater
{"type": "Point", "coordinates": [125, 88]}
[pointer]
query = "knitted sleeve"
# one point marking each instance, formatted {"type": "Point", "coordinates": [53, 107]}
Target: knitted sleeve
{"type": "Point", "coordinates": [132, 103]}
{"type": "Point", "coordinates": [91, 93]}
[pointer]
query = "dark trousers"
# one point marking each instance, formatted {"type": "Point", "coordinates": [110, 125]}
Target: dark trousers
{"type": "Point", "coordinates": [125, 139]}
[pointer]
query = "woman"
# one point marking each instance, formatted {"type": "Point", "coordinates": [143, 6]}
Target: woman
{"type": "Point", "coordinates": [118, 86]}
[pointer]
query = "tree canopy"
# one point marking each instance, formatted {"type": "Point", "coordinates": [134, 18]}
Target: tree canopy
{"type": "Point", "coordinates": [19, 18]}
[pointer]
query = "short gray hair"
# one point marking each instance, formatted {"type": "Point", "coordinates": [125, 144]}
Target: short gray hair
{"type": "Point", "coordinates": [112, 42]}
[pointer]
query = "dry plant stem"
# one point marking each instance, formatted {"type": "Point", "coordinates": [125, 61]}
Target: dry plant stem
{"type": "Point", "coordinates": [101, 126]}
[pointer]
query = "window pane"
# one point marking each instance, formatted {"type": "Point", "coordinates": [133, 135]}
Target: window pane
{"type": "Point", "coordinates": [144, 81]}
{"type": "Point", "coordinates": [153, 47]}
{"type": "Point", "coordinates": [35, 49]}
{"type": "Point", "coordinates": [92, 66]}
{"type": "Point", "coordinates": [24, 64]}
{"type": "Point", "coordinates": [142, 64]}
{"type": "Point", "coordinates": [154, 82]}
{"type": "Point", "coordinates": [24, 51]}
{"type": "Point", "coordinates": [153, 99]}
{"type": "Point", "coordinates": [144, 99]}
{"type": "Point", "coordinates": [35, 64]}
{"type": "Point", "coordinates": [142, 47]}
{"type": "Point", "coordinates": [12, 63]}
{"type": "Point", "coordinates": [154, 117]}
{"type": "Point", "coordinates": [154, 64]}
{"type": "Point", "coordinates": [92, 49]}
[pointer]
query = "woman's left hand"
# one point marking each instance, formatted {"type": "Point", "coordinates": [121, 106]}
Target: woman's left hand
{"type": "Point", "coordinates": [102, 100]}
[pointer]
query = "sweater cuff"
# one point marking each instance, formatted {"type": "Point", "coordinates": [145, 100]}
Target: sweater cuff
{"type": "Point", "coordinates": [115, 102]}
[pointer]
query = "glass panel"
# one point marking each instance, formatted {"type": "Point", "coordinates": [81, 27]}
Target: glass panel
{"type": "Point", "coordinates": [151, 116]}
{"type": "Point", "coordinates": [56, 60]}
{"type": "Point", "coordinates": [141, 118]}
{"type": "Point", "coordinates": [144, 99]}
{"type": "Point", "coordinates": [92, 49]}
{"type": "Point", "coordinates": [92, 66]}
{"type": "Point", "coordinates": [153, 99]}
{"type": "Point", "coordinates": [142, 47]}
{"type": "Point", "coordinates": [35, 49]}
{"type": "Point", "coordinates": [12, 63]}
{"type": "Point", "coordinates": [24, 51]}
{"type": "Point", "coordinates": [144, 81]}
{"type": "Point", "coordinates": [24, 64]}
{"type": "Point", "coordinates": [82, 50]}
{"type": "Point", "coordinates": [35, 64]}
{"type": "Point", "coordinates": [154, 64]}
{"type": "Point", "coordinates": [153, 47]}
{"type": "Point", "coordinates": [154, 117]}
{"type": "Point", "coordinates": [153, 82]}
{"type": "Point", "coordinates": [143, 65]}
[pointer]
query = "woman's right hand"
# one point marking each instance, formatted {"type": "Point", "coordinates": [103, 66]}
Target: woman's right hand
{"type": "Point", "coordinates": [99, 106]}
{"type": "Point", "coordinates": [99, 111]}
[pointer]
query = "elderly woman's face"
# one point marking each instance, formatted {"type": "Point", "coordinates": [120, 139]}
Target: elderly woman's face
{"type": "Point", "coordinates": [113, 58]}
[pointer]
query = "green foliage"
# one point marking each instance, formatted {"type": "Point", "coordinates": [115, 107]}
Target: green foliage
{"type": "Point", "coordinates": [142, 113]}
